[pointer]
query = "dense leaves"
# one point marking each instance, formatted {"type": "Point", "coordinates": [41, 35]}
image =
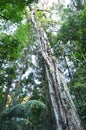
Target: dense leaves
{"type": "Point", "coordinates": [18, 118]}
{"type": "Point", "coordinates": [23, 83]}
{"type": "Point", "coordinates": [78, 89]}
{"type": "Point", "coordinates": [13, 10]}
{"type": "Point", "coordinates": [72, 35]}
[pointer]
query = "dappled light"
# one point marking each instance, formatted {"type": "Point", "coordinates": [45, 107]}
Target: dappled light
{"type": "Point", "coordinates": [42, 65]}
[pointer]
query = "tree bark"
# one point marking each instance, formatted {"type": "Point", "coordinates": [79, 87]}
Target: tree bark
{"type": "Point", "coordinates": [63, 106]}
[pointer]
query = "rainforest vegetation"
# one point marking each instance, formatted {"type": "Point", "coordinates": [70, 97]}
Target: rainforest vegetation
{"type": "Point", "coordinates": [42, 63]}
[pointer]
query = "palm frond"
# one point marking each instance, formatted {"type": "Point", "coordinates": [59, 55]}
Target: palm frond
{"type": "Point", "coordinates": [22, 115]}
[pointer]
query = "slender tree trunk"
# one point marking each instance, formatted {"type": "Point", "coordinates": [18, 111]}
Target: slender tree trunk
{"type": "Point", "coordinates": [69, 72]}
{"type": "Point", "coordinates": [18, 86]}
{"type": "Point", "coordinates": [63, 106]}
{"type": "Point", "coordinates": [4, 101]}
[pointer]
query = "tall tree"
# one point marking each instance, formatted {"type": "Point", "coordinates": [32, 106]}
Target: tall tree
{"type": "Point", "coordinates": [64, 109]}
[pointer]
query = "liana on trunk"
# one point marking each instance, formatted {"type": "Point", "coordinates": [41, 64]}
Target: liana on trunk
{"type": "Point", "coordinates": [63, 106]}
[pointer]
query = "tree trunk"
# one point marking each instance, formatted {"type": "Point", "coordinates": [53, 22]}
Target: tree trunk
{"type": "Point", "coordinates": [4, 101]}
{"type": "Point", "coordinates": [63, 106]}
{"type": "Point", "coordinates": [69, 72]}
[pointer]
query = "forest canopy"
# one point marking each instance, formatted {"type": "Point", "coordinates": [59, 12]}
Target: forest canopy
{"type": "Point", "coordinates": [25, 96]}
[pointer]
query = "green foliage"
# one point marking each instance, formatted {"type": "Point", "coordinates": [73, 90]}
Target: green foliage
{"type": "Point", "coordinates": [70, 41]}
{"type": "Point", "coordinates": [13, 10]}
{"type": "Point", "coordinates": [15, 124]}
{"type": "Point", "coordinates": [78, 4]}
{"type": "Point", "coordinates": [10, 46]}
{"type": "Point", "coordinates": [1, 94]}
{"type": "Point", "coordinates": [75, 34]}
{"type": "Point", "coordinates": [22, 33]}
{"type": "Point", "coordinates": [78, 88]}
{"type": "Point", "coordinates": [22, 115]}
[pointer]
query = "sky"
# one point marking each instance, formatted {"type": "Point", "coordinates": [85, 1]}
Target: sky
{"type": "Point", "coordinates": [67, 2]}
{"type": "Point", "coordinates": [47, 3]}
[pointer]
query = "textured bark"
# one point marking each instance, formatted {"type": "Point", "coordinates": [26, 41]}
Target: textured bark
{"type": "Point", "coordinates": [63, 106]}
